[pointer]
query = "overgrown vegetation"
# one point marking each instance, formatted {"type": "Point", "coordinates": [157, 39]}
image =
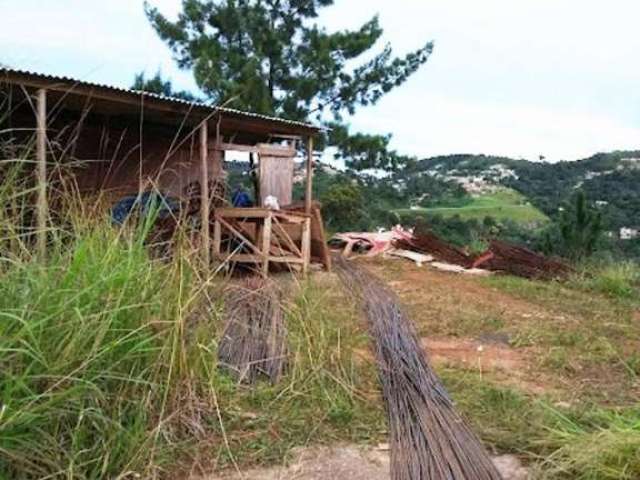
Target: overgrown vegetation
{"type": "Point", "coordinates": [108, 354]}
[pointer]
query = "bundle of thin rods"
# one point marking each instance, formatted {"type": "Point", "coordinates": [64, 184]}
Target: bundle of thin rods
{"type": "Point", "coordinates": [254, 341]}
{"type": "Point", "coordinates": [429, 439]}
{"type": "Point", "coordinates": [521, 262]}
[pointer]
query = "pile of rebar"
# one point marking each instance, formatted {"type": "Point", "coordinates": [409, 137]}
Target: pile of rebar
{"type": "Point", "coordinates": [429, 439]}
{"type": "Point", "coordinates": [428, 242]}
{"type": "Point", "coordinates": [521, 262]}
{"type": "Point", "coordinates": [500, 257]}
{"type": "Point", "coordinates": [253, 343]}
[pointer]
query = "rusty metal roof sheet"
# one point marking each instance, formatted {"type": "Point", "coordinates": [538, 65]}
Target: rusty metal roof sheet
{"type": "Point", "coordinates": [5, 71]}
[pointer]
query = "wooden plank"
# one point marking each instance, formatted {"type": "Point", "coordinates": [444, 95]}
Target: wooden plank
{"type": "Point", "coordinates": [237, 233]}
{"type": "Point", "coordinates": [282, 233]}
{"type": "Point", "coordinates": [242, 258]}
{"type": "Point", "coordinates": [287, 216]}
{"type": "Point", "coordinates": [309, 185]}
{"type": "Point", "coordinates": [306, 246]}
{"type": "Point", "coordinates": [321, 241]}
{"type": "Point", "coordinates": [242, 212]}
{"type": "Point", "coordinates": [275, 150]}
{"type": "Point", "coordinates": [217, 237]}
{"type": "Point", "coordinates": [285, 259]}
{"type": "Point", "coordinates": [319, 249]}
{"type": "Point", "coordinates": [236, 147]}
{"type": "Point", "coordinates": [276, 178]}
{"type": "Point", "coordinates": [266, 245]}
{"type": "Point", "coordinates": [41, 152]}
{"type": "Point", "coordinates": [248, 258]}
{"type": "Point", "coordinates": [204, 189]}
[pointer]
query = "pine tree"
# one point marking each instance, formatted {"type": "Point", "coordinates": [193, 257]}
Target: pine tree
{"type": "Point", "coordinates": [159, 85]}
{"type": "Point", "coordinates": [580, 227]}
{"type": "Point", "coordinates": [271, 57]}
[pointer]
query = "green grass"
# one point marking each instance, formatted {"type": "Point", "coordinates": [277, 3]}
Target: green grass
{"type": "Point", "coordinates": [504, 204]}
{"type": "Point", "coordinates": [580, 441]}
{"type": "Point", "coordinates": [618, 280]}
{"type": "Point", "coordinates": [108, 366]}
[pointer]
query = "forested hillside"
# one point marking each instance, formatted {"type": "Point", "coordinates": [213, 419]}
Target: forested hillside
{"type": "Point", "coordinates": [610, 179]}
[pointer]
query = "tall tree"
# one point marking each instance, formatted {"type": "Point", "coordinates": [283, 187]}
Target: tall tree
{"type": "Point", "coordinates": [272, 57]}
{"type": "Point", "coordinates": [577, 232]}
{"type": "Point", "coordinates": [581, 227]}
{"type": "Point", "coordinates": [159, 85]}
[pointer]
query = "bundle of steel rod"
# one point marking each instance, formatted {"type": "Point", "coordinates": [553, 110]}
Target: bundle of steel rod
{"type": "Point", "coordinates": [522, 262]}
{"type": "Point", "coordinates": [430, 243]}
{"type": "Point", "coordinates": [253, 343]}
{"type": "Point", "coordinates": [429, 439]}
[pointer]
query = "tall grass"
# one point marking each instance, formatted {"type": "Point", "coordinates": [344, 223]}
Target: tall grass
{"type": "Point", "coordinates": [84, 371]}
{"type": "Point", "coordinates": [108, 357]}
{"type": "Point", "coordinates": [603, 446]}
{"type": "Point", "coordinates": [619, 279]}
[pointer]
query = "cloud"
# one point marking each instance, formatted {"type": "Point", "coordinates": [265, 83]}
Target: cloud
{"type": "Point", "coordinates": [437, 125]}
{"type": "Point", "coordinates": [522, 78]}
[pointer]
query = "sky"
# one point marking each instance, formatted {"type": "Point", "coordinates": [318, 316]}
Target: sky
{"type": "Point", "coordinates": [520, 78]}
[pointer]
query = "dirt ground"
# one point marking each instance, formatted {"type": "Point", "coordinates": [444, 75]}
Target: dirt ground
{"type": "Point", "coordinates": [348, 462]}
{"type": "Point", "coordinates": [468, 323]}
{"type": "Point", "coordinates": [569, 344]}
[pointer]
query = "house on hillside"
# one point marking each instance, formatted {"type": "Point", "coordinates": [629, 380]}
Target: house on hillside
{"type": "Point", "coordinates": [113, 144]}
{"type": "Point", "coordinates": [628, 233]}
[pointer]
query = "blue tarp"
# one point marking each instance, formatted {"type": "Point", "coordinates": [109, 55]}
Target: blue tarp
{"type": "Point", "coordinates": [144, 203]}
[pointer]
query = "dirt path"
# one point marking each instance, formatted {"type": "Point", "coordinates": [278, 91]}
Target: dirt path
{"type": "Point", "coordinates": [348, 462]}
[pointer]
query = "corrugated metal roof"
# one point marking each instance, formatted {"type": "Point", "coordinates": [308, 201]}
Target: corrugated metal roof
{"type": "Point", "coordinates": [157, 96]}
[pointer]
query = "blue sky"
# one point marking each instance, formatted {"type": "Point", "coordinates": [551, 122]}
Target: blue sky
{"type": "Point", "coordinates": [523, 78]}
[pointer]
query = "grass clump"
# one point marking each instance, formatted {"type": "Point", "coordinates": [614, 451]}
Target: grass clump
{"type": "Point", "coordinates": [328, 395]}
{"type": "Point", "coordinates": [601, 445]}
{"type": "Point", "coordinates": [582, 442]}
{"type": "Point", "coordinates": [615, 279]}
{"type": "Point", "coordinates": [82, 368]}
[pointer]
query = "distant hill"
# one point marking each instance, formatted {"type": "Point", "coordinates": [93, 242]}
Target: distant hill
{"type": "Point", "coordinates": [501, 204]}
{"type": "Point", "coordinates": [611, 180]}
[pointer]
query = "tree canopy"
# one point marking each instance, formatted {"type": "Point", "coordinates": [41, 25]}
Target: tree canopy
{"type": "Point", "coordinates": [157, 84]}
{"type": "Point", "coordinates": [272, 57]}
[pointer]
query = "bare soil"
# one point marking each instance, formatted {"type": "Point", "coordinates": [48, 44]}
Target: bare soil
{"type": "Point", "coordinates": [348, 462]}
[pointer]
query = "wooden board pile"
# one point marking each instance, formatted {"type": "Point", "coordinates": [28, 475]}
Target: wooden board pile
{"type": "Point", "coordinates": [253, 343]}
{"type": "Point", "coordinates": [429, 440]}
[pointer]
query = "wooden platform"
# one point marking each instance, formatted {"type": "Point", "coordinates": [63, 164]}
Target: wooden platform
{"type": "Point", "coordinates": [261, 236]}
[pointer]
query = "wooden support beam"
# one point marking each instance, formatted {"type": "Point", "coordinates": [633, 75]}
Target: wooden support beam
{"type": "Point", "coordinates": [266, 245]}
{"type": "Point", "coordinates": [204, 188]}
{"type": "Point", "coordinates": [239, 235]}
{"type": "Point", "coordinates": [41, 176]}
{"type": "Point", "coordinates": [309, 192]}
{"type": "Point", "coordinates": [306, 246]}
{"type": "Point", "coordinates": [217, 238]}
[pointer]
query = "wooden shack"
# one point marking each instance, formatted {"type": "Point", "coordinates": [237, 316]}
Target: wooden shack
{"type": "Point", "coordinates": [117, 142]}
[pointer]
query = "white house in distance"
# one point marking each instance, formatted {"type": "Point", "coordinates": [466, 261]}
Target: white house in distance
{"type": "Point", "coordinates": [628, 233]}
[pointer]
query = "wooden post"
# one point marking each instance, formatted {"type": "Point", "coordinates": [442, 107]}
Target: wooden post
{"type": "Point", "coordinates": [306, 246]}
{"type": "Point", "coordinates": [217, 238]}
{"type": "Point", "coordinates": [309, 192]}
{"type": "Point", "coordinates": [266, 244]}
{"type": "Point", "coordinates": [41, 177]}
{"type": "Point", "coordinates": [204, 188]}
